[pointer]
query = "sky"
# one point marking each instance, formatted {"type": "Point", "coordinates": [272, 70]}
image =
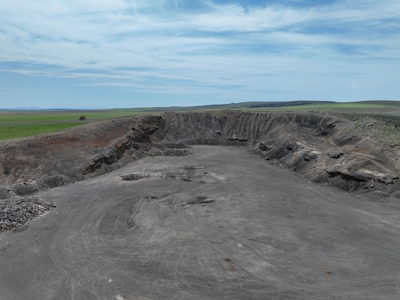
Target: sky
{"type": "Point", "coordinates": [148, 53]}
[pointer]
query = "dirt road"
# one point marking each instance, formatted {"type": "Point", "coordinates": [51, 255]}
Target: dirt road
{"type": "Point", "coordinates": [218, 224]}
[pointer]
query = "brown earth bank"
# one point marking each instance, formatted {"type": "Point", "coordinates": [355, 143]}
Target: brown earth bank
{"type": "Point", "coordinates": [317, 147]}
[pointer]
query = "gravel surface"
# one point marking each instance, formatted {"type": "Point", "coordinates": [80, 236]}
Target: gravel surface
{"type": "Point", "coordinates": [18, 211]}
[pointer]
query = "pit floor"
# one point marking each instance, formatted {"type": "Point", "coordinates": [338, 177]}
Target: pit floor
{"type": "Point", "coordinates": [219, 224]}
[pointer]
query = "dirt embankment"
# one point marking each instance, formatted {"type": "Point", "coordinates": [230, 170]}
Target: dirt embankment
{"type": "Point", "coordinates": [316, 146]}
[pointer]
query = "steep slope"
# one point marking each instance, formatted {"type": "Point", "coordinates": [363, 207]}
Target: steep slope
{"type": "Point", "coordinates": [315, 146]}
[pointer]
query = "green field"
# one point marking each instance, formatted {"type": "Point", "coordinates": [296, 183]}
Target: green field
{"type": "Point", "coordinates": [359, 108]}
{"type": "Point", "coordinates": [25, 130]}
{"type": "Point", "coordinates": [17, 124]}
{"type": "Point", "coordinates": [17, 117]}
{"type": "Point", "coordinates": [367, 107]}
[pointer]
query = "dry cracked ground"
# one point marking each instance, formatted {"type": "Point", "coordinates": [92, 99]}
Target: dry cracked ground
{"type": "Point", "coordinates": [210, 221]}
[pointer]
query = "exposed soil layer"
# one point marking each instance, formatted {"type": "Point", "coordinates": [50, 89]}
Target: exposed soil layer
{"type": "Point", "coordinates": [318, 147]}
{"type": "Point", "coordinates": [382, 128]}
{"type": "Point", "coordinates": [218, 224]}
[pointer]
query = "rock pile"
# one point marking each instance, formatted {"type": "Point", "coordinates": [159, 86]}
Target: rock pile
{"type": "Point", "coordinates": [18, 211]}
{"type": "Point", "coordinates": [168, 152]}
{"type": "Point", "coordinates": [132, 177]}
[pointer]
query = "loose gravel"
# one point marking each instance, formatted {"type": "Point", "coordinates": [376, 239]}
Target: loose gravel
{"type": "Point", "coordinates": [18, 211]}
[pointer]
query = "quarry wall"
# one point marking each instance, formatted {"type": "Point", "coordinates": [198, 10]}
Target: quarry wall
{"type": "Point", "coordinates": [317, 147]}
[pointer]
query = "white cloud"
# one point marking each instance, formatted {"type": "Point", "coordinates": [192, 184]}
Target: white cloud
{"type": "Point", "coordinates": [143, 44]}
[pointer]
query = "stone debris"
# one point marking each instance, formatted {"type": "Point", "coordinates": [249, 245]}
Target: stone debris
{"type": "Point", "coordinates": [18, 211]}
{"type": "Point", "coordinates": [133, 177]}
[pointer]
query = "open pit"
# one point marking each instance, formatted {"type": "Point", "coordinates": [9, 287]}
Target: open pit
{"type": "Point", "coordinates": [224, 205]}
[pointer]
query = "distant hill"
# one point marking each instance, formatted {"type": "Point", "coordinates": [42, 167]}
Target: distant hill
{"type": "Point", "coordinates": [240, 105]}
{"type": "Point", "coordinates": [31, 108]}
{"type": "Point", "coordinates": [382, 106]}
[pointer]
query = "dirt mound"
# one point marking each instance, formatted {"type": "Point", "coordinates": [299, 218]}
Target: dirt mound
{"type": "Point", "coordinates": [25, 188]}
{"type": "Point", "coordinates": [318, 147]}
{"type": "Point", "coordinates": [47, 182]}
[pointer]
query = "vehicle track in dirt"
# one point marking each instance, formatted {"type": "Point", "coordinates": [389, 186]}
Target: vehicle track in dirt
{"type": "Point", "coordinates": [218, 224]}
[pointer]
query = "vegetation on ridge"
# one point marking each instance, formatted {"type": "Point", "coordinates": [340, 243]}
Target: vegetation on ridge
{"type": "Point", "coordinates": [25, 123]}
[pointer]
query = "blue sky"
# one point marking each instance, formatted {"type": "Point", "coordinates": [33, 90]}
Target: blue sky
{"type": "Point", "coordinates": [141, 53]}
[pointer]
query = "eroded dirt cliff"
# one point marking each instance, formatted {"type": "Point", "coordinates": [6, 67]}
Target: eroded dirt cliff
{"type": "Point", "coordinates": [315, 146]}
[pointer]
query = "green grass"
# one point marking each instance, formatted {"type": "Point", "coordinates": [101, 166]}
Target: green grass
{"type": "Point", "coordinates": [361, 108]}
{"type": "Point", "coordinates": [16, 117]}
{"type": "Point", "coordinates": [25, 130]}
{"type": "Point", "coordinates": [17, 124]}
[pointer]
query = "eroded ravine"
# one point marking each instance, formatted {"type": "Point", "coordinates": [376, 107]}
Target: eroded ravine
{"type": "Point", "coordinates": [317, 147]}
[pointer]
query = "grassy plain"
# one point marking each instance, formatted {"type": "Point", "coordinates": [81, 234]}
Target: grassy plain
{"type": "Point", "coordinates": [25, 130]}
{"type": "Point", "coordinates": [16, 124]}
{"type": "Point", "coordinates": [370, 107]}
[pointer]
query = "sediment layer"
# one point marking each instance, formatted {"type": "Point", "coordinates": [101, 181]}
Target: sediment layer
{"type": "Point", "coordinates": [315, 146]}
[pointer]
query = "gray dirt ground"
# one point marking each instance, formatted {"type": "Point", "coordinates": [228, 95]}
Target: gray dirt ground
{"type": "Point", "coordinates": [219, 224]}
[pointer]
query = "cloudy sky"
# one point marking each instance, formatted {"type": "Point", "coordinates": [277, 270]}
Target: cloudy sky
{"type": "Point", "coordinates": [141, 53]}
